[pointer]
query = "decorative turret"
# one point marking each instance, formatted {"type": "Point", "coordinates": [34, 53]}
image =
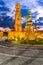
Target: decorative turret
{"type": "Point", "coordinates": [28, 21]}
{"type": "Point", "coordinates": [29, 27]}
{"type": "Point", "coordinates": [29, 18]}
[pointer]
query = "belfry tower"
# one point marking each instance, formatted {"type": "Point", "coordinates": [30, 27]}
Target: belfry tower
{"type": "Point", "coordinates": [18, 24]}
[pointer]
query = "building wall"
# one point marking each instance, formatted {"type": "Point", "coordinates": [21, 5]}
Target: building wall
{"type": "Point", "coordinates": [1, 34]}
{"type": "Point", "coordinates": [20, 35]}
{"type": "Point", "coordinates": [13, 35]}
{"type": "Point", "coordinates": [10, 34]}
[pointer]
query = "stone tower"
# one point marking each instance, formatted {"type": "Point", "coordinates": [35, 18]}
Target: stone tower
{"type": "Point", "coordinates": [18, 24]}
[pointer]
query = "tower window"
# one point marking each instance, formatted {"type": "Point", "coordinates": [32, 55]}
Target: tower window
{"type": "Point", "coordinates": [17, 11]}
{"type": "Point", "coordinates": [18, 19]}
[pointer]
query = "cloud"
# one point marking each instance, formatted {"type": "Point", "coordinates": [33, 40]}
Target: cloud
{"type": "Point", "coordinates": [40, 12]}
{"type": "Point", "coordinates": [23, 19]}
{"type": "Point", "coordinates": [33, 5]}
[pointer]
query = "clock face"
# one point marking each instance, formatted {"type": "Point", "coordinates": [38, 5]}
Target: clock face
{"type": "Point", "coordinates": [18, 19]}
{"type": "Point", "coordinates": [17, 11]}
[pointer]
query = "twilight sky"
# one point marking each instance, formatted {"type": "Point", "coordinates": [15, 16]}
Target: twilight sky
{"type": "Point", "coordinates": [7, 11]}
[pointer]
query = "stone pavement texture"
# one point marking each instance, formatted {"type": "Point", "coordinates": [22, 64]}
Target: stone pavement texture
{"type": "Point", "coordinates": [19, 55]}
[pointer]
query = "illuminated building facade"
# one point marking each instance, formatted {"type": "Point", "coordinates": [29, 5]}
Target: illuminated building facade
{"type": "Point", "coordinates": [18, 32]}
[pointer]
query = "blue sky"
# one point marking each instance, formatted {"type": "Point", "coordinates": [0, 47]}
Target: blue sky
{"type": "Point", "coordinates": [36, 7]}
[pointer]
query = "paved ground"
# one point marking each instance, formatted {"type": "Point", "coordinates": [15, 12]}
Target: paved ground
{"type": "Point", "coordinates": [21, 55]}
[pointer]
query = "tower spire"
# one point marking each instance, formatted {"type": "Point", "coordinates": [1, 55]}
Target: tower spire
{"type": "Point", "coordinates": [29, 18]}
